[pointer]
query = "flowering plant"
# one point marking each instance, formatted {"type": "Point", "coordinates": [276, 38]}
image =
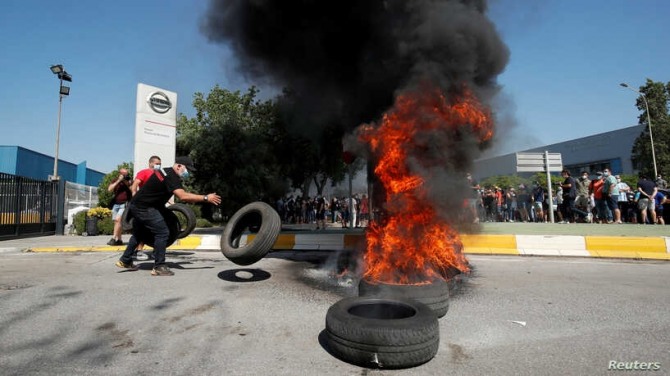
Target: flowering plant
{"type": "Point", "coordinates": [99, 212]}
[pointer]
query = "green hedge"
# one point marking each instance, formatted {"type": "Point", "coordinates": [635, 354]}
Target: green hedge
{"type": "Point", "coordinates": [105, 225]}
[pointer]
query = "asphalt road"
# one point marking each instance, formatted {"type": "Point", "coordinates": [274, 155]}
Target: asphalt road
{"type": "Point", "coordinates": [77, 314]}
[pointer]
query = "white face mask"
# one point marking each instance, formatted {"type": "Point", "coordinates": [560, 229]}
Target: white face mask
{"type": "Point", "coordinates": [157, 167]}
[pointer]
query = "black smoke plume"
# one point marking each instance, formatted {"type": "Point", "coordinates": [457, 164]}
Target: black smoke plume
{"type": "Point", "coordinates": [347, 60]}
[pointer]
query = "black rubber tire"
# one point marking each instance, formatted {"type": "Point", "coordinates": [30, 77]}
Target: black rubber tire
{"type": "Point", "coordinates": [250, 216]}
{"type": "Point", "coordinates": [172, 222]}
{"type": "Point", "coordinates": [187, 223]}
{"type": "Point", "coordinates": [126, 220]}
{"type": "Point", "coordinates": [382, 333]}
{"type": "Point", "coordinates": [435, 295]}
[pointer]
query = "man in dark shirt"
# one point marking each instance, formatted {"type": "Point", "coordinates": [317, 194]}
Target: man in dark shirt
{"type": "Point", "coordinates": [147, 206]}
{"type": "Point", "coordinates": [646, 202]}
{"type": "Point", "coordinates": [569, 186]}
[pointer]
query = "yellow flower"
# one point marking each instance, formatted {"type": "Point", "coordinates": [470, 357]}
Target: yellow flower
{"type": "Point", "coordinates": [99, 212]}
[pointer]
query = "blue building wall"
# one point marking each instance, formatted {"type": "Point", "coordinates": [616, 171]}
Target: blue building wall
{"type": "Point", "coordinates": [20, 161]}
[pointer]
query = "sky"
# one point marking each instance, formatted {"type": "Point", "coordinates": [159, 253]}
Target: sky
{"type": "Point", "coordinates": [567, 58]}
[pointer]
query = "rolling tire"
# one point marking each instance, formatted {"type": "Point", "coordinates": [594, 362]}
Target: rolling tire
{"type": "Point", "coordinates": [187, 223]}
{"type": "Point", "coordinates": [435, 295]}
{"type": "Point", "coordinates": [254, 215]}
{"type": "Point", "coordinates": [172, 222]}
{"type": "Point", "coordinates": [381, 332]}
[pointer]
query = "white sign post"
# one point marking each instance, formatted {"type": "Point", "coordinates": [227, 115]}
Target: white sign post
{"type": "Point", "coordinates": [155, 126]}
{"type": "Point", "coordinates": [539, 162]}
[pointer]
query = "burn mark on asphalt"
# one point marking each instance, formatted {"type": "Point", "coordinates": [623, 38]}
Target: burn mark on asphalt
{"type": "Point", "coordinates": [457, 353]}
{"type": "Point", "coordinates": [192, 312]}
{"type": "Point", "coordinates": [120, 338]}
{"type": "Point", "coordinates": [165, 304]}
{"type": "Point", "coordinates": [14, 286]}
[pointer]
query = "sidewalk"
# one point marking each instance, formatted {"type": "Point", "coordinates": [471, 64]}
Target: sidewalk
{"type": "Point", "coordinates": [627, 241]}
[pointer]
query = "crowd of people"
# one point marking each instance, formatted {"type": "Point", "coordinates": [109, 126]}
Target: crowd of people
{"type": "Point", "coordinates": [604, 198]}
{"type": "Point", "coordinates": [318, 210]}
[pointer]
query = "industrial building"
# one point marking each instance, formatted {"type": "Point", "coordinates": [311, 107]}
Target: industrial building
{"type": "Point", "coordinates": [19, 161]}
{"type": "Point", "coordinates": [593, 153]}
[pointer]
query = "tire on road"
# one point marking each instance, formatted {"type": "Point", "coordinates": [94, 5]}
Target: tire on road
{"type": "Point", "coordinates": [435, 295]}
{"type": "Point", "coordinates": [381, 332]}
{"type": "Point", "coordinates": [256, 215]}
{"type": "Point", "coordinates": [186, 219]}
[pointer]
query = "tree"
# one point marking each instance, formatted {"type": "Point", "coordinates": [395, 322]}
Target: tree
{"type": "Point", "coordinates": [657, 95]}
{"type": "Point", "coordinates": [231, 140]}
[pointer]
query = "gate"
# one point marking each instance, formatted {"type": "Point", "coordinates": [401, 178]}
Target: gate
{"type": "Point", "coordinates": [28, 207]}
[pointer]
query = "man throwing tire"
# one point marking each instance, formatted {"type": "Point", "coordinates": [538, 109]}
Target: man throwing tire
{"type": "Point", "coordinates": [146, 208]}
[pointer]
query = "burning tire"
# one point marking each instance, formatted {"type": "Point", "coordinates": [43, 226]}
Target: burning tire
{"type": "Point", "coordinates": [382, 333]}
{"type": "Point", "coordinates": [257, 216]}
{"type": "Point", "coordinates": [435, 295]}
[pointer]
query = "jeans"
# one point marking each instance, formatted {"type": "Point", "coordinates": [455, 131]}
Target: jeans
{"type": "Point", "coordinates": [152, 220]}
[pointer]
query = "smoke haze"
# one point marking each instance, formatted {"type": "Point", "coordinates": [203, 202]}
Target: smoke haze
{"type": "Point", "coordinates": [346, 60]}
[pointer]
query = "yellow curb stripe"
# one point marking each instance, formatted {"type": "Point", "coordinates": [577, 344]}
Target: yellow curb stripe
{"type": "Point", "coordinates": [625, 244]}
{"type": "Point", "coordinates": [490, 251]}
{"type": "Point", "coordinates": [189, 241]}
{"type": "Point", "coordinates": [489, 241]}
{"type": "Point", "coordinates": [284, 241]}
{"type": "Point", "coordinates": [654, 255]}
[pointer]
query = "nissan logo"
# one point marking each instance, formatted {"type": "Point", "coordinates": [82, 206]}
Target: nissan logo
{"type": "Point", "coordinates": [159, 102]}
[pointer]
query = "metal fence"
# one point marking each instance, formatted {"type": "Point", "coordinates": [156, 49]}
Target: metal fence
{"type": "Point", "coordinates": [28, 207]}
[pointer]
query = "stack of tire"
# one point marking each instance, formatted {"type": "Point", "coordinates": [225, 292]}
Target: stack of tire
{"type": "Point", "coordinates": [262, 225]}
{"type": "Point", "coordinates": [179, 218]}
{"type": "Point", "coordinates": [382, 332]}
{"type": "Point", "coordinates": [388, 325]}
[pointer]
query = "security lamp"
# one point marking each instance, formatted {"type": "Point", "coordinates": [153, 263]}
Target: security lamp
{"type": "Point", "coordinates": [56, 69]}
{"type": "Point", "coordinates": [65, 76]}
{"type": "Point", "coordinates": [65, 90]}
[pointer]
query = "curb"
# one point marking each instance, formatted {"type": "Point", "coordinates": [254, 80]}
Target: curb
{"type": "Point", "coordinates": [653, 248]}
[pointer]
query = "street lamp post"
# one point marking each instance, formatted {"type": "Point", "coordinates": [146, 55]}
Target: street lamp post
{"type": "Point", "coordinates": [651, 135]}
{"type": "Point", "coordinates": [63, 92]}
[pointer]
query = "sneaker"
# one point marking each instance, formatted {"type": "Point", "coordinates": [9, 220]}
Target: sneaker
{"type": "Point", "coordinates": [123, 265]}
{"type": "Point", "coordinates": [141, 256]}
{"type": "Point", "coordinates": [111, 241]}
{"type": "Point", "coordinates": [162, 270]}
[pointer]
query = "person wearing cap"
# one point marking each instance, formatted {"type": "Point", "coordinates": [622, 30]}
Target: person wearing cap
{"type": "Point", "coordinates": [147, 208]}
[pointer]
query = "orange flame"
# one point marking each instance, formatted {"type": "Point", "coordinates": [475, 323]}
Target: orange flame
{"type": "Point", "coordinates": [413, 245]}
